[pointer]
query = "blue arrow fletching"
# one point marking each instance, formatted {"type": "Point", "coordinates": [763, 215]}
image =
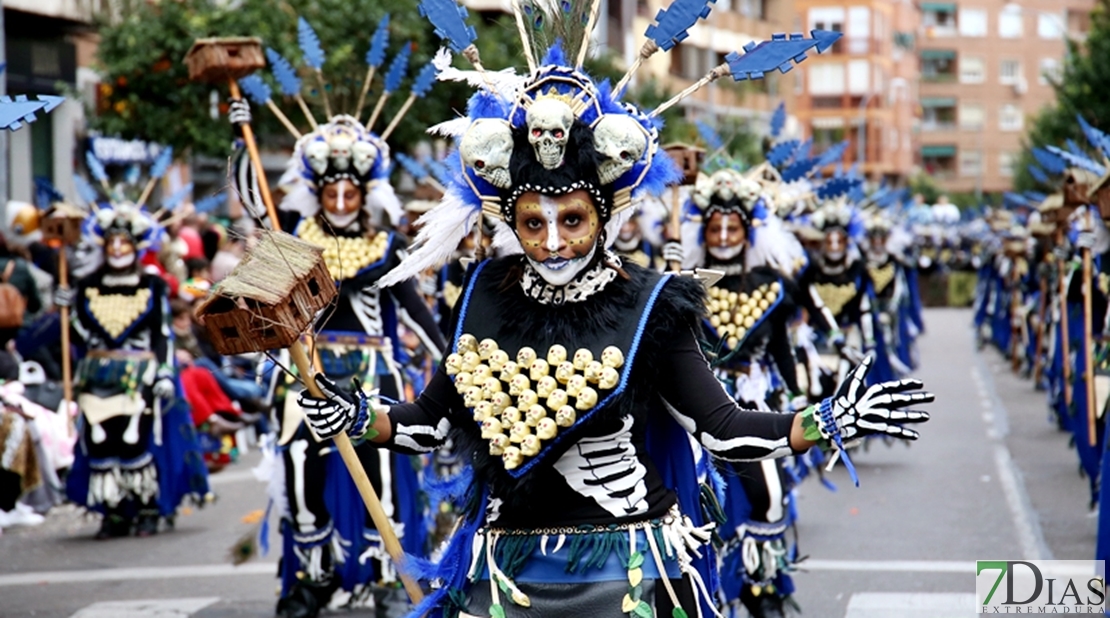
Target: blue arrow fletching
{"type": "Point", "coordinates": [96, 168]}
{"type": "Point", "coordinates": [1077, 161]}
{"type": "Point", "coordinates": [833, 154]}
{"type": "Point", "coordinates": [1097, 138]}
{"type": "Point", "coordinates": [778, 53]}
{"type": "Point", "coordinates": [376, 55]}
{"type": "Point", "coordinates": [778, 120]}
{"type": "Point", "coordinates": [424, 80]}
{"type": "Point", "coordinates": [673, 23]}
{"type": "Point", "coordinates": [15, 112]}
{"type": "Point", "coordinates": [803, 150]}
{"type": "Point", "coordinates": [284, 72]}
{"type": "Point", "coordinates": [414, 169]}
{"type": "Point", "coordinates": [257, 90]}
{"type": "Point", "coordinates": [1049, 162]}
{"type": "Point", "coordinates": [1035, 197]}
{"type": "Point", "coordinates": [310, 44]}
{"type": "Point", "coordinates": [397, 68]}
{"type": "Point", "coordinates": [1038, 174]}
{"type": "Point", "coordinates": [799, 169]}
{"type": "Point", "coordinates": [131, 176]}
{"type": "Point", "coordinates": [781, 153]}
{"type": "Point", "coordinates": [85, 191]}
{"type": "Point", "coordinates": [210, 203]}
{"type": "Point", "coordinates": [1075, 149]}
{"type": "Point", "coordinates": [162, 163]}
{"type": "Point", "coordinates": [178, 196]}
{"type": "Point", "coordinates": [440, 172]}
{"type": "Point", "coordinates": [709, 135]}
{"type": "Point", "coordinates": [449, 19]}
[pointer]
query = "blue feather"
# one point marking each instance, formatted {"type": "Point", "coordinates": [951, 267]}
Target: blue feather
{"type": "Point", "coordinates": [1050, 162]}
{"type": "Point", "coordinates": [777, 54]}
{"type": "Point", "coordinates": [175, 200]}
{"type": "Point", "coordinates": [375, 56]}
{"type": "Point", "coordinates": [257, 90]}
{"type": "Point", "coordinates": [672, 23]}
{"type": "Point", "coordinates": [780, 153]}
{"type": "Point", "coordinates": [1078, 161]}
{"type": "Point", "coordinates": [799, 169]}
{"type": "Point", "coordinates": [162, 163]}
{"type": "Point", "coordinates": [1075, 149]}
{"type": "Point", "coordinates": [284, 72]}
{"type": "Point", "coordinates": [449, 20]}
{"type": "Point", "coordinates": [709, 135]}
{"type": "Point", "coordinates": [440, 172]}
{"type": "Point", "coordinates": [1038, 174]}
{"type": "Point", "coordinates": [833, 154]}
{"type": "Point", "coordinates": [85, 191]}
{"type": "Point", "coordinates": [310, 44]}
{"type": "Point", "coordinates": [210, 203]}
{"type": "Point", "coordinates": [803, 150]}
{"type": "Point", "coordinates": [1034, 196]}
{"type": "Point", "coordinates": [96, 168]}
{"type": "Point", "coordinates": [397, 68]}
{"type": "Point", "coordinates": [1097, 138]}
{"type": "Point", "coordinates": [411, 166]}
{"type": "Point", "coordinates": [46, 193]}
{"type": "Point", "coordinates": [778, 120]}
{"type": "Point", "coordinates": [484, 104]}
{"type": "Point", "coordinates": [424, 80]}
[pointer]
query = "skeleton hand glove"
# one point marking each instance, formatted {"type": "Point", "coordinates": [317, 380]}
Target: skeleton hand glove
{"type": "Point", "coordinates": [339, 411]}
{"type": "Point", "coordinates": [239, 111]}
{"type": "Point", "coordinates": [672, 251]}
{"type": "Point", "coordinates": [857, 411]}
{"type": "Point", "coordinates": [163, 388]}
{"type": "Point", "coordinates": [63, 297]}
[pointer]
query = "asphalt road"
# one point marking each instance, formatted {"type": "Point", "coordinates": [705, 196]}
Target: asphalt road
{"type": "Point", "coordinates": [991, 478]}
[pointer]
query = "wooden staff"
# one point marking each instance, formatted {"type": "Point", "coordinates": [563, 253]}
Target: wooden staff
{"type": "Point", "coordinates": [1015, 316]}
{"type": "Point", "coordinates": [384, 525]}
{"type": "Point", "coordinates": [676, 223]}
{"type": "Point", "coordinates": [67, 374]}
{"type": "Point", "coordinates": [1088, 360]}
{"type": "Point", "coordinates": [1065, 334]}
{"type": "Point", "coordinates": [1042, 309]}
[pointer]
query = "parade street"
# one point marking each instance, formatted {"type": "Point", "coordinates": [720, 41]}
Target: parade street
{"type": "Point", "coordinates": [991, 478]}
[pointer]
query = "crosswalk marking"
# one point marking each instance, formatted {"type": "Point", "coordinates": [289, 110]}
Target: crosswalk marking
{"type": "Point", "coordinates": [149, 608]}
{"type": "Point", "coordinates": [911, 605]}
{"type": "Point", "coordinates": [35, 578]}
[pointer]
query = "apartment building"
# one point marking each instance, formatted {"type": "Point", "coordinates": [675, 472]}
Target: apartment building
{"type": "Point", "coordinates": [986, 70]}
{"type": "Point", "coordinates": [864, 89]}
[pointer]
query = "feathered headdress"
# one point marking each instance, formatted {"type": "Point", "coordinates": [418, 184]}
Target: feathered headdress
{"type": "Point", "coordinates": [557, 130]}
{"type": "Point", "coordinates": [121, 215]}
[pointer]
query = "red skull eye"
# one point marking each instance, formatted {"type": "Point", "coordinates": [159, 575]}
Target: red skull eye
{"type": "Point", "coordinates": [558, 134]}
{"type": "Point", "coordinates": [536, 132]}
{"type": "Point", "coordinates": [479, 164]}
{"type": "Point", "coordinates": [625, 155]}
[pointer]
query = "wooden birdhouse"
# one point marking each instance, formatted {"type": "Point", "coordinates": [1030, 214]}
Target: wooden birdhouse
{"type": "Point", "coordinates": [1077, 184]}
{"type": "Point", "coordinates": [1099, 195]}
{"type": "Point", "coordinates": [688, 158]}
{"type": "Point", "coordinates": [218, 60]}
{"type": "Point", "coordinates": [61, 225]}
{"type": "Point", "coordinates": [270, 298]}
{"type": "Point", "coordinates": [1052, 209]}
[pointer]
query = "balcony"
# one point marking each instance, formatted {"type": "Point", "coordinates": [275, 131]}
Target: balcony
{"type": "Point", "coordinates": [939, 161]}
{"type": "Point", "coordinates": [938, 65]}
{"type": "Point", "coordinates": [938, 114]}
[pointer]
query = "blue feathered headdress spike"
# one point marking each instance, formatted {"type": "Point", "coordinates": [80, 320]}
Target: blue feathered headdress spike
{"type": "Point", "coordinates": [284, 72]}
{"type": "Point", "coordinates": [310, 44]}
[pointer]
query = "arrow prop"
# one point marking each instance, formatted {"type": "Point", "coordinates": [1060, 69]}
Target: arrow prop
{"type": "Point", "coordinates": [1077, 161]}
{"type": "Point", "coordinates": [375, 56]}
{"type": "Point", "coordinates": [1038, 174]}
{"type": "Point", "coordinates": [1049, 162]}
{"type": "Point", "coordinates": [157, 171]}
{"type": "Point", "coordinates": [778, 120]}
{"type": "Point", "coordinates": [14, 113]}
{"type": "Point", "coordinates": [780, 153]}
{"type": "Point", "coordinates": [1097, 138]}
{"type": "Point", "coordinates": [449, 19]}
{"type": "Point", "coordinates": [671, 27]}
{"type": "Point", "coordinates": [420, 87]}
{"type": "Point", "coordinates": [832, 155]}
{"type": "Point", "coordinates": [397, 69]}
{"type": "Point", "coordinates": [781, 53]}
{"type": "Point", "coordinates": [313, 56]}
{"type": "Point", "coordinates": [259, 93]}
{"type": "Point", "coordinates": [288, 81]}
{"type": "Point", "coordinates": [417, 171]}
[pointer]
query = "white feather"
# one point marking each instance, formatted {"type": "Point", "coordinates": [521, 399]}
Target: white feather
{"type": "Point", "coordinates": [442, 60]}
{"type": "Point", "coordinates": [773, 246]}
{"type": "Point", "coordinates": [450, 128]}
{"type": "Point", "coordinates": [300, 198]}
{"type": "Point", "coordinates": [505, 82]}
{"type": "Point", "coordinates": [441, 230]}
{"type": "Point", "coordinates": [382, 198]}
{"type": "Point", "coordinates": [504, 240]}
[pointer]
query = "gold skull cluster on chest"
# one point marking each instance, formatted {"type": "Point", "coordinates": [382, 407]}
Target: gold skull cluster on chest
{"type": "Point", "coordinates": [733, 314]}
{"type": "Point", "coordinates": [836, 295]}
{"type": "Point", "coordinates": [117, 312]}
{"type": "Point", "coordinates": [524, 401]}
{"type": "Point", "coordinates": [881, 276]}
{"type": "Point", "coordinates": [344, 256]}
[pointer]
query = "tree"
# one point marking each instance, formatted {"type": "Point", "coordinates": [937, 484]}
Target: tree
{"type": "Point", "coordinates": [1080, 90]}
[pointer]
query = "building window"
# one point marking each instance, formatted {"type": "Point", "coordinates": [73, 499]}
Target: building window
{"type": "Point", "coordinates": [829, 18]}
{"type": "Point", "coordinates": [1006, 162]}
{"type": "Point", "coordinates": [1050, 71]}
{"type": "Point", "coordinates": [826, 79]}
{"type": "Point", "coordinates": [938, 65]}
{"type": "Point", "coordinates": [1009, 72]}
{"type": "Point", "coordinates": [858, 72]}
{"type": "Point", "coordinates": [1050, 25]}
{"type": "Point", "coordinates": [971, 163]}
{"type": "Point", "coordinates": [1010, 22]}
{"type": "Point", "coordinates": [859, 30]}
{"type": "Point", "coordinates": [972, 116]}
{"type": "Point", "coordinates": [1010, 118]}
{"type": "Point", "coordinates": [939, 19]}
{"type": "Point", "coordinates": [973, 22]}
{"type": "Point", "coordinates": [939, 161]}
{"type": "Point", "coordinates": [938, 114]}
{"type": "Point", "coordinates": [824, 138]}
{"type": "Point", "coordinates": [972, 70]}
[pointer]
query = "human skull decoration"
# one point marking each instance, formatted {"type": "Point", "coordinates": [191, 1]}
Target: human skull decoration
{"type": "Point", "coordinates": [453, 364]}
{"type": "Point", "coordinates": [546, 429]}
{"type": "Point", "coordinates": [556, 354]}
{"type": "Point", "coordinates": [557, 399]}
{"type": "Point", "coordinates": [509, 370]}
{"type": "Point", "coordinates": [545, 386]}
{"type": "Point", "coordinates": [565, 417]}
{"type": "Point", "coordinates": [316, 153]}
{"type": "Point", "coordinates": [486, 148]}
{"type": "Point", "coordinates": [575, 385]}
{"type": "Point", "coordinates": [609, 378]}
{"type": "Point", "coordinates": [510, 416]}
{"type": "Point", "coordinates": [621, 141]}
{"type": "Point", "coordinates": [593, 371]}
{"type": "Point", "coordinates": [747, 190]}
{"type": "Point", "coordinates": [500, 402]}
{"type": "Point", "coordinates": [586, 399]}
{"type": "Point", "coordinates": [525, 356]}
{"type": "Point", "coordinates": [491, 427]}
{"type": "Point", "coordinates": [533, 415]}
{"type": "Point", "coordinates": [512, 458]}
{"type": "Point", "coordinates": [340, 146]}
{"type": "Point", "coordinates": [498, 444]}
{"type": "Point", "coordinates": [467, 343]}
{"type": "Point", "coordinates": [564, 372]}
{"type": "Point", "coordinates": [724, 184]}
{"type": "Point", "coordinates": [485, 347]}
{"type": "Point", "coordinates": [530, 446]}
{"type": "Point", "coordinates": [482, 411]}
{"type": "Point", "coordinates": [518, 431]}
{"type": "Point", "coordinates": [498, 359]}
{"type": "Point", "coordinates": [582, 358]}
{"type": "Point", "coordinates": [470, 361]}
{"type": "Point", "coordinates": [364, 155]}
{"type": "Point", "coordinates": [539, 369]}
{"type": "Point", "coordinates": [549, 121]}
{"type": "Point", "coordinates": [519, 384]}
{"type": "Point", "coordinates": [612, 357]}
{"type": "Point", "coordinates": [528, 397]}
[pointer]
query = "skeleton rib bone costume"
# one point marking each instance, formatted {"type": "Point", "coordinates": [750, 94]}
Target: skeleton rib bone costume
{"type": "Point", "coordinates": [574, 382]}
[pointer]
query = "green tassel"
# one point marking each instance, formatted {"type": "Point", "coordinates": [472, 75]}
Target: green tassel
{"type": "Point", "coordinates": [678, 612]}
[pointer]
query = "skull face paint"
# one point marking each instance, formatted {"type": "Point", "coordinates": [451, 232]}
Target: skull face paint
{"type": "Point", "coordinates": [725, 236]}
{"type": "Point", "coordinates": [835, 246]}
{"type": "Point", "coordinates": [559, 234]}
{"type": "Point", "coordinates": [119, 252]}
{"type": "Point", "coordinates": [341, 202]}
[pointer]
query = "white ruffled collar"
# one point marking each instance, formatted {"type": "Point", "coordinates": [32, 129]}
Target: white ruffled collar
{"type": "Point", "coordinates": [586, 284]}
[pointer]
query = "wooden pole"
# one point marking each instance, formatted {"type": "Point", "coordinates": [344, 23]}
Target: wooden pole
{"type": "Point", "coordinates": [676, 223]}
{"type": "Point", "coordinates": [1042, 309]}
{"type": "Point", "coordinates": [342, 442]}
{"type": "Point", "coordinates": [67, 374]}
{"type": "Point", "coordinates": [1065, 345]}
{"type": "Point", "coordinates": [1088, 337]}
{"type": "Point", "coordinates": [1015, 313]}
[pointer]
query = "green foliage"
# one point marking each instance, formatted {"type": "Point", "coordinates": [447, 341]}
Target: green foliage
{"type": "Point", "coordinates": [1080, 90]}
{"type": "Point", "coordinates": [926, 186]}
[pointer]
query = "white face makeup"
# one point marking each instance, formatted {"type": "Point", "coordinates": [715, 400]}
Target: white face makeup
{"type": "Point", "coordinates": [558, 234]}
{"type": "Point", "coordinates": [836, 245]}
{"type": "Point", "coordinates": [725, 236]}
{"type": "Point", "coordinates": [341, 203]}
{"type": "Point", "coordinates": [120, 253]}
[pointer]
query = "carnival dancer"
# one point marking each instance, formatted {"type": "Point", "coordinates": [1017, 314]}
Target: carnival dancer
{"type": "Point", "coordinates": [893, 293]}
{"type": "Point", "coordinates": [137, 456]}
{"type": "Point", "coordinates": [338, 193]}
{"type": "Point", "coordinates": [564, 364]}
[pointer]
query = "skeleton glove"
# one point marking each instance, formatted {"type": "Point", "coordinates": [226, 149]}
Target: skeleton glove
{"type": "Point", "coordinates": [63, 296]}
{"type": "Point", "coordinates": [857, 411]}
{"type": "Point", "coordinates": [163, 388]}
{"type": "Point", "coordinates": [339, 410]}
{"type": "Point", "coordinates": [239, 113]}
{"type": "Point", "coordinates": [672, 251]}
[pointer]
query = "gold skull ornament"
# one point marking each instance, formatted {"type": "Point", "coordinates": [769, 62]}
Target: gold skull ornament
{"type": "Point", "coordinates": [525, 356]}
{"type": "Point", "coordinates": [545, 386]}
{"type": "Point", "coordinates": [510, 415]}
{"type": "Point", "coordinates": [556, 354]}
{"type": "Point", "coordinates": [500, 401]}
{"type": "Point", "coordinates": [534, 415]}
{"type": "Point", "coordinates": [593, 371]}
{"type": "Point", "coordinates": [467, 343]}
{"type": "Point", "coordinates": [470, 361]}
{"type": "Point", "coordinates": [586, 399]}
{"type": "Point", "coordinates": [498, 444]}
{"type": "Point", "coordinates": [508, 370]}
{"type": "Point", "coordinates": [483, 410]}
{"type": "Point", "coordinates": [527, 398]}
{"type": "Point", "coordinates": [482, 373]}
{"type": "Point", "coordinates": [497, 360]}
{"type": "Point", "coordinates": [539, 369]}
{"type": "Point", "coordinates": [463, 381]}
{"type": "Point", "coordinates": [486, 347]}
{"type": "Point", "coordinates": [472, 396]}
{"type": "Point", "coordinates": [566, 416]}
{"type": "Point", "coordinates": [518, 431]}
{"type": "Point", "coordinates": [557, 399]}
{"type": "Point", "coordinates": [575, 385]}
{"type": "Point", "coordinates": [491, 427]}
{"type": "Point", "coordinates": [546, 429]}
{"type": "Point", "coordinates": [530, 446]}
{"type": "Point", "coordinates": [453, 364]}
{"type": "Point", "coordinates": [609, 378]}
{"type": "Point", "coordinates": [490, 387]}
{"type": "Point", "coordinates": [612, 357]}
{"type": "Point", "coordinates": [512, 458]}
{"type": "Point", "coordinates": [582, 358]}
{"type": "Point", "coordinates": [519, 384]}
{"type": "Point", "coordinates": [564, 372]}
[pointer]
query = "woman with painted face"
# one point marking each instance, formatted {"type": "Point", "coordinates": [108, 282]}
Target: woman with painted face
{"type": "Point", "coordinates": [137, 456]}
{"type": "Point", "coordinates": [575, 381]}
{"type": "Point", "coordinates": [887, 267]}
